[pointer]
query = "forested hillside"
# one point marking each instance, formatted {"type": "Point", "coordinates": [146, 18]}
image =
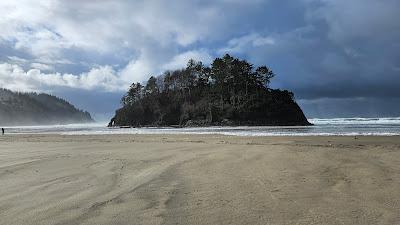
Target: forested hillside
{"type": "Point", "coordinates": [35, 109]}
{"type": "Point", "coordinates": [228, 92]}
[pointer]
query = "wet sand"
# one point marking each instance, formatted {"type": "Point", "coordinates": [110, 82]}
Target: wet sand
{"type": "Point", "coordinates": [184, 179]}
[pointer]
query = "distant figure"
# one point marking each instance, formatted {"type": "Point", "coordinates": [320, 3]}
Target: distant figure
{"type": "Point", "coordinates": [2, 131]}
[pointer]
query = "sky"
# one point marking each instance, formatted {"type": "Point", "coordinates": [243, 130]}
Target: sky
{"type": "Point", "coordinates": [341, 58]}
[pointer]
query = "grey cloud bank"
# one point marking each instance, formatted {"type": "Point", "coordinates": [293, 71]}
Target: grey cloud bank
{"type": "Point", "coordinates": [328, 52]}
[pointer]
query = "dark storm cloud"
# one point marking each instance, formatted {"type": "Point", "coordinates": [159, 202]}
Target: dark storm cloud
{"type": "Point", "coordinates": [339, 49]}
{"type": "Point", "coordinates": [331, 53]}
{"type": "Point", "coordinates": [351, 107]}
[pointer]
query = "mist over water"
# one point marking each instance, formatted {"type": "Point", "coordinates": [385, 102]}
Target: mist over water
{"type": "Point", "coordinates": [336, 127]}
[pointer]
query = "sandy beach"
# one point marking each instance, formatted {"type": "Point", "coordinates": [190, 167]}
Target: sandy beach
{"type": "Point", "coordinates": [184, 179]}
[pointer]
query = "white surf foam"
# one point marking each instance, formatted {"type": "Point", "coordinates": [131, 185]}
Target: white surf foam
{"type": "Point", "coordinates": [323, 127]}
{"type": "Point", "coordinates": [356, 121]}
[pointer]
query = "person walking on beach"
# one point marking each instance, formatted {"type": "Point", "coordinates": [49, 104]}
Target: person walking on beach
{"type": "Point", "coordinates": [2, 131]}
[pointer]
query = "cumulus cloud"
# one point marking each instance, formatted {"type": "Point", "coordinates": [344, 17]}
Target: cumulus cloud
{"type": "Point", "coordinates": [103, 78]}
{"type": "Point", "coordinates": [239, 45]}
{"type": "Point", "coordinates": [137, 38]}
{"type": "Point", "coordinates": [16, 78]}
{"type": "Point", "coordinates": [180, 61]}
{"type": "Point", "coordinates": [41, 66]}
{"type": "Point", "coordinates": [46, 28]}
{"type": "Point", "coordinates": [138, 70]}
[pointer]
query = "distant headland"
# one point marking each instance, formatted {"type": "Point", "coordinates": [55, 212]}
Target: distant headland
{"type": "Point", "coordinates": [229, 92]}
{"type": "Point", "coordinates": [18, 108]}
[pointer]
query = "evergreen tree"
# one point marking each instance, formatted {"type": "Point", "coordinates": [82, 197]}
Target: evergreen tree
{"type": "Point", "coordinates": [229, 89]}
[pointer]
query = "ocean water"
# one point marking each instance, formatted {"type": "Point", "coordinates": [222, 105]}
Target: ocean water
{"type": "Point", "coordinates": [322, 127]}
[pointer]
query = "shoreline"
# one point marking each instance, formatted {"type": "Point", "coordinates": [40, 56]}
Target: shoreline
{"type": "Point", "coordinates": [216, 134]}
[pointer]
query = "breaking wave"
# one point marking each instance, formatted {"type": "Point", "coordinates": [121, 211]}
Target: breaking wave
{"type": "Point", "coordinates": [322, 127]}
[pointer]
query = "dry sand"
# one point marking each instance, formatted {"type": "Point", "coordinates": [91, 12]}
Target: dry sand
{"type": "Point", "coordinates": [176, 179]}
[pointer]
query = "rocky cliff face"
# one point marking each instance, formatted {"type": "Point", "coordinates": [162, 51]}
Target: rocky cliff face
{"type": "Point", "coordinates": [38, 109]}
{"type": "Point", "coordinates": [276, 108]}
